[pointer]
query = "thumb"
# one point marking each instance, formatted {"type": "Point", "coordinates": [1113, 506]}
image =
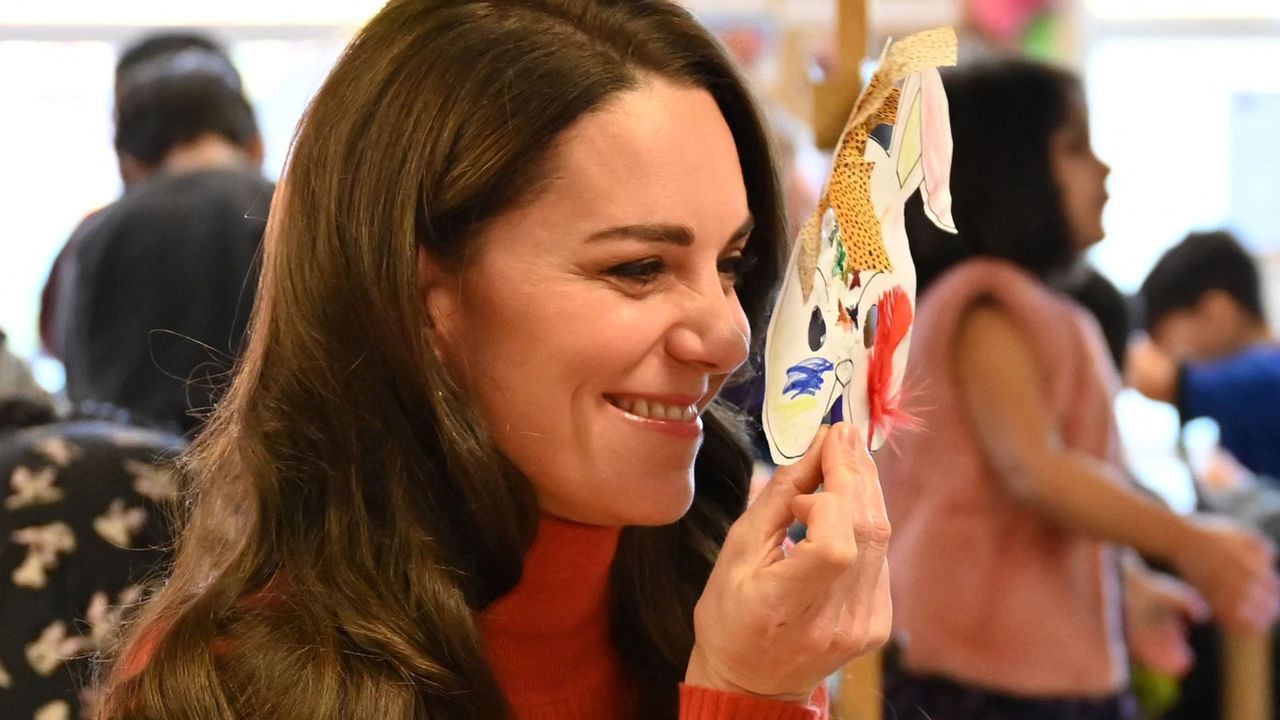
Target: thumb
{"type": "Point", "coordinates": [772, 509]}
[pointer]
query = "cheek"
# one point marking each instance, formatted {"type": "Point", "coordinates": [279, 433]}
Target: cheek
{"type": "Point", "coordinates": [742, 325]}
{"type": "Point", "coordinates": [1182, 340]}
{"type": "Point", "coordinates": [1079, 189]}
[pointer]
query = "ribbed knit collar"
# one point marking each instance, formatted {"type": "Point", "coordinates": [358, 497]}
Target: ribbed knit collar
{"type": "Point", "coordinates": [548, 639]}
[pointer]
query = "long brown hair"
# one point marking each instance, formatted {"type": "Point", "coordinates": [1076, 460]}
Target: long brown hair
{"type": "Point", "coordinates": [345, 485]}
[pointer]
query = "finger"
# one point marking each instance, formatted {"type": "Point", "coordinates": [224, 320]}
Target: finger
{"type": "Point", "coordinates": [833, 525]}
{"type": "Point", "coordinates": [1265, 603]}
{"type": "Point", "coordinates": [846, 465]}
{"type": "Point", "coordinates": [806, 473]}
{"type": "Point", "coordinates": [849, 472]}
{"type": "Point", "coordinates": [1254, 611]}
{"type": "Point", "coordinates": [1263, 547]}
{"type": "Point", "coordinates": [865, 621]}
{"type": "Point", "coordinates": [875, 610]}
{"type": "Point", "coordinates": [1195, 608]}
{"type": "Point", "coordinates": [828, 519]}
{"type": "Point", "coordinates": [1255, 616]}
{"type": "Point", "coordinates": [1191, 604]}
{"type": "Point", "coordinates": [771, 511]}
{"type": "Point", "coordinates": [829, 549]}
{"type": "Point", "coordinates": [802, 507]}
{"type": "Point", "coordinates": [1262, 570]}
{"type": "Point", "coordinates": [1269, 550]}
{"type": "Point", "coordinates": [851, 484]}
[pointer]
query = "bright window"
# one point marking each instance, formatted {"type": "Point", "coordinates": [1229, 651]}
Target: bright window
{"type": "Point", "coordinates": [56, 142]}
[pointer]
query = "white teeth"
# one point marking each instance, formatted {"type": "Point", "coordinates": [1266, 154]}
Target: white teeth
{"type": "Point", "coordinates": [654, 410]}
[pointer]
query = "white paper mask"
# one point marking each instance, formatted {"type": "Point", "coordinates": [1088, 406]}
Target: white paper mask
{"type": "Point", "coordinates": [842, 324]}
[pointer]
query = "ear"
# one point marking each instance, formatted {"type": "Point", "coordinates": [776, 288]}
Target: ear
{"type": "Point", "coordinates": [132, 170]}
{"type": "Point", "coordinates": [936, 147]}
{"type": "Point", "coordinates": [255, 151]}
{"type": "Point", "coordinates": [1219, 308]}
{"type": "Point", "coordinates": [439, 292]}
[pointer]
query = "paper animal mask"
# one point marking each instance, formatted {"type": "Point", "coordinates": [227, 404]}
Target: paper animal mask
{"type": "Point", "coordinates": [842, 324]}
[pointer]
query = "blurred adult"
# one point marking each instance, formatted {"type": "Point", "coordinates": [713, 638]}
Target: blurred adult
{"type": "Point", "coordinates": [157, 55]}
{"type": "Point", "coordinates": [165, 277]}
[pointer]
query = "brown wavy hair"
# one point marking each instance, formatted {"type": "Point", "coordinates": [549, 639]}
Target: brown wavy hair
{"type": "Point", "coordinates": [349, 514]}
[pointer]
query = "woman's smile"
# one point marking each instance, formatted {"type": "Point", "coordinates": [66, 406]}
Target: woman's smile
{"type": "Point", "coordinates": [678, 415]}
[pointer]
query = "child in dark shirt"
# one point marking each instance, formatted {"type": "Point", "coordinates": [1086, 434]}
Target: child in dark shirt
{"type": "Point", "coordinates": [1210, 352]}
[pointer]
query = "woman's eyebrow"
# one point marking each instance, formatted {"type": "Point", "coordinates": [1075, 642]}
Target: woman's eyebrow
{"type": "Point", "coordinates": [681, 235]}
{"type": "Point", "coordinates": [674, 234]}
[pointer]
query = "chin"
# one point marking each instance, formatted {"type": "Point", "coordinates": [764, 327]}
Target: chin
{"type": "Point", "coordinates": [639, 501]}
{"type": "Point", "coordinates": [654, 512]}
{"type": "Point", "coordinates": [665, 504]}
{"type": "Point", "coordinates": [659, 517]}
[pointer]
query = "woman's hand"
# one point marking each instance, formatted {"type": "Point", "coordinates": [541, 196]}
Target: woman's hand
{"type": "Point", "coordinates": [775, 623]}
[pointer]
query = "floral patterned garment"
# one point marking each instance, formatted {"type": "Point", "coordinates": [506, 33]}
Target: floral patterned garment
{"type": "Point", "coordinates": [83, 524]}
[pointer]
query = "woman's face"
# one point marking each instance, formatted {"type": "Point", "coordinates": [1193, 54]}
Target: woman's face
{"type": "Point", "coordinates": [595, 322]}
{"type": "Point", "coordinates": [1081, 178]}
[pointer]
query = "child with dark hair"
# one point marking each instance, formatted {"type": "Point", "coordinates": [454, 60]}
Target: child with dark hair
{"type": "Point", "coordinates": [1211, 353]}
{"type": "Point", "coordinates": [1015, 500]}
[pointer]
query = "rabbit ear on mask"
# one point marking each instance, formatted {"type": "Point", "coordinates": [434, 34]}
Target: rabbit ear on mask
{"type": "Point", "coordinates": [840, 328]}
{"type": "Point", "coordinates": [936, 150]}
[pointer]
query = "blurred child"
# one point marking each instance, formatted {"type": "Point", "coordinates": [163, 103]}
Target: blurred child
{"type": "Point", "coordinates": [1211, 353]}
{"type": "Point", "coordinates": [1014, 499]}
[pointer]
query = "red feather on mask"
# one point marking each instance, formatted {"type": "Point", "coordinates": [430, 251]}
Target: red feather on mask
{"type": "Point", "coordinates": [895, 317]}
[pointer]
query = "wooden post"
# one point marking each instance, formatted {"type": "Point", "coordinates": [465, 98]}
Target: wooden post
{"type": "Point", "coordinates": [861, 692]}
{"type": "Point", "coordinates": [861, 695]}
{"type": "Point", "coordinates": [1246, 676]}
{"type": "Point", "coordinates": [833, 98]}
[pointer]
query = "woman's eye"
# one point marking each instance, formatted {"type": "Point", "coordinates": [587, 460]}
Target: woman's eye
{"type": "Point", "coordinates": [638, 271]}
{"type": "Point", "coordinates": [735, 266]}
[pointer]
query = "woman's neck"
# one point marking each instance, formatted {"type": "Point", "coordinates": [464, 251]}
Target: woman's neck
{"type": "Point", "coordinates": [565, 579]}
{"type": "Point", "coordinates": [549, 640]}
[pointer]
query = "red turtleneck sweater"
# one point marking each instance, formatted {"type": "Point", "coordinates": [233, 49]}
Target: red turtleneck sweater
{"type": "Point", "coordinates": [549, 646]}
{"type": "Point", "coordinates": [548, 641]}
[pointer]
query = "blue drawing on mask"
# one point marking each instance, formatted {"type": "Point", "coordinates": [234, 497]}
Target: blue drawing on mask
{"type": "Point", "coordinates": [837, 412]}
{"type": "Point", "coordinates": [805, 377]}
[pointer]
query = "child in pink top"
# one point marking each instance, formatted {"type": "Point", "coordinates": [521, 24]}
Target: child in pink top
{"type": "Point", "coordinates": [1009, 508]}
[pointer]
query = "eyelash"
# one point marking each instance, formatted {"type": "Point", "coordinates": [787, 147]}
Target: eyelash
{"type": "Point", "coordinates": [645, 272]}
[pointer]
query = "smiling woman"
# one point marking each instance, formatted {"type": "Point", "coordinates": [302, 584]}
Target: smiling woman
{"type": "Point", "coordinates": [627, 287]}
{"type": "Point", "coordinates": [473, 464]}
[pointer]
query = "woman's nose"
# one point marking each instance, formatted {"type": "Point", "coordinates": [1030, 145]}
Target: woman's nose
{"type": "Point", "coordinates": [713, 333]}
